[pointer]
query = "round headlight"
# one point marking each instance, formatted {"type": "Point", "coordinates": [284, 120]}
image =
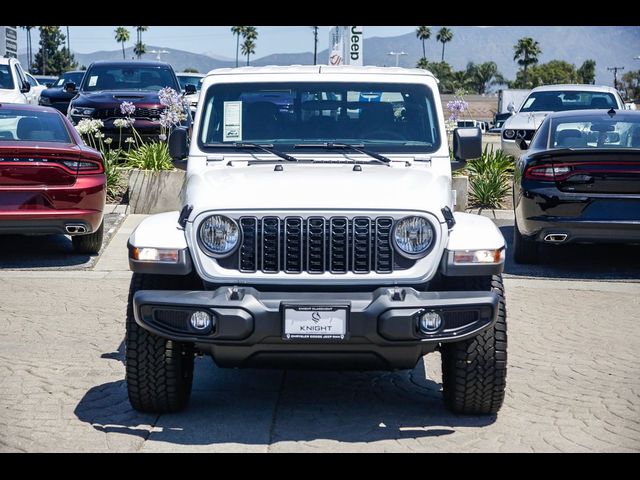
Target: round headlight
{"type": "Point", "coordinates": [219, 235]}
{"type": "Point", "coordinates": [509, 133]}
{"type": "Point", "coordinates": [413, 236]}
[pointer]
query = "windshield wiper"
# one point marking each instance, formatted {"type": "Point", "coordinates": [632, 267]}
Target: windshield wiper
{"type": "Point", "coordinates": [357, 147]}
{"type": "Point", "coordinates": [268, 147]}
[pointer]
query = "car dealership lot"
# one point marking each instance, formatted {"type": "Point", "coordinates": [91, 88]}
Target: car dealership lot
{"type": "Point", "coordinates": [573, 382]}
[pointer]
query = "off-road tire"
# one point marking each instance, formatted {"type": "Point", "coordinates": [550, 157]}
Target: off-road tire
{"type": "Point", "coordinates": [89, 244]}
{"type": "Point", "coordinates": [474, 371]}
{"type": "Point", "coordinates": [159, 372]}
{"type": "Point", "coordinates": [525, 251]}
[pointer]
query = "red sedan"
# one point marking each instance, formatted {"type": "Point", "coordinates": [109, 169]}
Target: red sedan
{"type": "Point", "coordinates": [50, 181]}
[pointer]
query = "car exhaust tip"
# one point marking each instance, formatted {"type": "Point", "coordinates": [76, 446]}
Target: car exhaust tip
{"type": "Point", "coordinates": [555, 237]}
{"type": "Point", "coordinates": [75, 229]}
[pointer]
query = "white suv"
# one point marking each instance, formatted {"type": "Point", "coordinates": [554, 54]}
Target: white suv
{"type": "Point", "coordinates": [317, 230]}
{"type": "Point", "coordinates": [14, 86]}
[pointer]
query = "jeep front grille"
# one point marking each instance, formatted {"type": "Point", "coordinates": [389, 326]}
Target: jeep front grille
{"type": "Point", "coordinates": [315, 245]}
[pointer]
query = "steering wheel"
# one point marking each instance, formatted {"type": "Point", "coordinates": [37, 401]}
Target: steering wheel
{"type": "Point", "coordinates": [384, 135]}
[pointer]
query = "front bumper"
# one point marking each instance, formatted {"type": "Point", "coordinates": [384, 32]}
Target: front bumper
{"type": "Point", "coordinates": [382, 326]}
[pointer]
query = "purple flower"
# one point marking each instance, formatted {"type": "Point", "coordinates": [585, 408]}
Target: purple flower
{"type": "Point", "coordinates": [169, 97]}
{"type": "Point", "coordinates": [169, 118]}
{"type": "Point", "coordinates": [127, 108]}
{"type": "Point", "coordinates": [456, 108]}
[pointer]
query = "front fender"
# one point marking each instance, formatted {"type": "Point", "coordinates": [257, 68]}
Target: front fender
{"type": "Point", "coordinates": [161, 232]}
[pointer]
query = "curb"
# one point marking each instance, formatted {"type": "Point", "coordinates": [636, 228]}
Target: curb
{"type": "Point", "coordinates": [493, 214]}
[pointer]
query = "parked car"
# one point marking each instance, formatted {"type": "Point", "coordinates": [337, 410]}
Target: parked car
{"type": "Point", "coordinates": [56, 96]}
{"type": "Point", "coordinates": [46, 80]}
{"type": "Point", "coordinates": [554, 98]}
{"type": "Point", "coordinates": [321, 235]}
{"type": "Point", "coordinates": [14, 87]}
{"type": "Point", "coordinates": [109, 83]}
{"type": "Point", "coordinates": [36, 89]}
{"type": "Point", "coordinates": [191, 95]}
{"type": "Point", "coordinates": [50, 181]}
{"type": "Point", "coordinates": [578, 181]}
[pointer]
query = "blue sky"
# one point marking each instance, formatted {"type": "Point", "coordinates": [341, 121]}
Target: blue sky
{"type": "Point", "coordinates": [217, 40]}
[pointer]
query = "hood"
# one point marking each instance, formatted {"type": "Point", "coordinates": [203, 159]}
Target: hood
{"type": "Point", "coordinates": [57, 93]}
{"type": "Point", "coordinates": [114, 98]}
{"type": "Point", "coordinates": [11, 96]}
{"type": "Point", "coordinates": [525, 120]}
{"type": "Point", "coordinates": [319, 186]}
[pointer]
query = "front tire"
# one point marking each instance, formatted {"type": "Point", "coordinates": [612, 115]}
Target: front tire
{"type": "Point", "coordinates": [525, 251]}
{"type": "Point", "coordinates": [159, 372]}
{"type": "Point", "coordinates": [89, 244]}
{"type": "Point", "coordinates": [474, 371]}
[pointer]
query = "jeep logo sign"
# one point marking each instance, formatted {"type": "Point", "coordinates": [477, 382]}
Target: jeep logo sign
{"type": "Point", "coordinates": [355, 46]}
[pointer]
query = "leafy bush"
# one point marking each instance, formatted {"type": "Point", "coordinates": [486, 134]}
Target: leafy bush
{"type": "Point", "coordinates": [489, 178]}
{"type": "Point", "coordinates": [150, 156]}
{"type": "Point", "coordinates": [111, 171]}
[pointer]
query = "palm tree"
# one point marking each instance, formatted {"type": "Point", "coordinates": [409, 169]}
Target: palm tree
{"type": "Point", "coordinates": [122, 35]}
{"type": "Point", "coordinates": [483, 75]}
{"type": "Point", "coordinates": [526, 53]}
{"type": "Point", "coordinates": [248, 47]}
{"type": "Point", "coordinates": [444, 36]}
{"type": "Point", "coordinates": [237, 31]}
{"type": "Point", "coordinates": [315, 44]}
{"type": "Point", "coordinates": [29, 48]}
{"type": "Point", "coordinates": [140, 48]}
{"type": "Point", "coordinates": [423, 33]}
{"type": "Point", "coordinates": [423, 63]}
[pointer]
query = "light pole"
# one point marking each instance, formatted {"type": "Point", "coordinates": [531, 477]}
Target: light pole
{"type": "Point", "coordinates": [158, 52]}
{"type": "Point", "coordinates": [397, 55]}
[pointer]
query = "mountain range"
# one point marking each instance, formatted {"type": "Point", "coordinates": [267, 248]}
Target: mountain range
{"type": "Point", "coordinates": [608, 45]}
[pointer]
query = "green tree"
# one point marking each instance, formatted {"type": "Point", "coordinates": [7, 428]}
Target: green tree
{"type": "Point", "coordinates": [122, 36]}
{"type": "Point", "coordinates": [51, 59]}
{"type": "Point", "coordinates": [191, 70]}
{"type": "Point", "coordinates": [587, 72]}
{"type": "Point", "coordinates": [444, 36]}
{"type": "Point", "coordinates": [423, 63]}
{"type": "Point", "coordinates": [444, 73]}
{"type": "Point", "coordinates": [550, 73]}
{"type": "Point", "coordinates": [423, 33]}
{"type": "Point", "coordinates": [526, 53]}
{"type": "Point", "coordinates": [140, 48]}
{"type": "Point", "coordinates": [630, 85]}
{"type": "Point", "coordinates": [29, 44]}
{"type": "Point", "coordinates": [483, 76]}
{"type": "Point", "coordinates": [237, 31]}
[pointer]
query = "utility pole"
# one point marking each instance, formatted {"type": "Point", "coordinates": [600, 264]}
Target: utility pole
{"type": "Point", "coordinates": [397, 55]}
{"type": "Point", "coordinates": [615, 75]}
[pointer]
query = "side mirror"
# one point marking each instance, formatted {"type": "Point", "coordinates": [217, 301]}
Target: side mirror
{"type": "Point", "coordinates": [190, 89]}
{"type": "Point", "coordinates": [70, 87]}
{"type": "Point", "coordinates": [522, 144]}
{"type": "Point", "coordinates": [179, 143]}
{"type": "Point", "coordinates": [467, 144]}
{"type": "Point", "coordinates": [26, 86]}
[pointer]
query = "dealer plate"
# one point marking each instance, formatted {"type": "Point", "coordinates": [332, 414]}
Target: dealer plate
{"type": "Point", "coordinates": [315, 322]}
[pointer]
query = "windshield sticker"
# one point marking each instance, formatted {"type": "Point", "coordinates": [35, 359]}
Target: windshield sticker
{"type": "Point", "coordinates": [232, 122]}
{"type": "Point", "coordinates": [93, 79]}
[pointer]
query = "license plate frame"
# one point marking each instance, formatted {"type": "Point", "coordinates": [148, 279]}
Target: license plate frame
{"type": "Point", "coordinates": [290, 311]}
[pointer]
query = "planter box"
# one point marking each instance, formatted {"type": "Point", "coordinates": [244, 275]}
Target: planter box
{"type": "Point", "coordinates": [460, 184]}
{"type": "Point", "coordinates": [155, 192]}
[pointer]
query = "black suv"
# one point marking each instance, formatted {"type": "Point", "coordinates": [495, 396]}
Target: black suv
{"type": "Point", "coordinates": [57, 96]}
{"type": "Point", "coordinates": [109, 83]}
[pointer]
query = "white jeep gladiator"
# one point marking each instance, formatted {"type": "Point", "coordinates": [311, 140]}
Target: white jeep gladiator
{"type": "Point", "coordinates": [317, 230]}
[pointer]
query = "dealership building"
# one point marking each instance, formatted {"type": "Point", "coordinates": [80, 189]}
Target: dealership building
{"type": "Point", "coordinates": [9, 42]}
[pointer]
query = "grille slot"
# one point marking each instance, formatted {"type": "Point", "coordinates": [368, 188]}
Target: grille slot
{"type": "Point", "coordinates": [315, 245]}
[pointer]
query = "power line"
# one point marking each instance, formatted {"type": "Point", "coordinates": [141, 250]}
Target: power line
{"type": "Point", "coordinates": [615, 75]}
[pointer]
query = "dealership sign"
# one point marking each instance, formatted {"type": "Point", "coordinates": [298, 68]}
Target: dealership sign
{"type": "Point", "coordinates": [346, 46]}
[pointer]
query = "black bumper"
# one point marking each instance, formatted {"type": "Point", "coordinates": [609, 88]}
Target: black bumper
{"type": "Point", "coordinates": [382, 326]}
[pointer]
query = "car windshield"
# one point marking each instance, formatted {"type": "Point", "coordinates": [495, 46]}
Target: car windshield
{"type": "Point", "coordinates": [75, 77]}
{"type": "Point", "coordinates": [380, 116]}
{"type": "Point", "coordinates": [186, 80]}
{"type": "Point", "coordinates": [27, 125]}
{"type": "Point", "coordinates": [598, 132]}
{"type": "Point", "coordinates": [148, 78]}
{"type": "Point", "coordinates": [558, 101]}
{"type": "Point", "coordinates": [6, 80]}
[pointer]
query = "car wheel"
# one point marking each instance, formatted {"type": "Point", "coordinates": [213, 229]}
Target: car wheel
{"type": "Point", "coordinates": [90, 243]}
{"type": "Point", "coordinates": [474, 371]}
{"type": "Point", "coordinates": [524, 250]}
{"type": "Point", "coordinates": [159, 372]}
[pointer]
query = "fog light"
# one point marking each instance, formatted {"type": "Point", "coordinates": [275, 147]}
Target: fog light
{"type": "Point", "coordinates": [430, 322]}
{"type": "Point", "coordinates": [200, 320]}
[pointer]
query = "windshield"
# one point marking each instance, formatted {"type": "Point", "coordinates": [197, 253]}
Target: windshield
{"type": "Point", "coordinates": [557, 101]}
{"type": "Point", "coordinates": [380, 116]}
{"type": "Point", "coordinates": [186, 80]}
{"type": "Point", "coordinates": [75, 77]}
{"type": "Point", "coordinates": [151, 78]}
{"type": "Point", "coordinates": [580, 132]}
{"type": "Point", "coordinates": [27, 125]}
{"type": "Point", "coordinates": [6, 80]}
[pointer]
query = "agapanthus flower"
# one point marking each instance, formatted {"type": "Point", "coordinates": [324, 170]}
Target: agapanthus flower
{"type": "Point", "coordinates": [121, 123]}
{"type": "Point", "coordinates": [162, 137]}
{"type": "Point", "coordinates": [456, 108]}
{"type": "Point", "coordinates": [129, 140]}
{"type": "Point", "coordinates": [127, 108]}
{"type": "Point", "coordinates": [99, 135]}
{"type": "Point", "coordinates": [84, 126]}
{"type": "Point", "coordinates": [108, 141]}
{"type": "Point", "coordinates": [169, 97]}
{"type": "Point", "coordinates": [169, 118]}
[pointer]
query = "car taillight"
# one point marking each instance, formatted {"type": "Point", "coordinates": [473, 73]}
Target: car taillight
{"type": "Point", "coordinates": [83, 166]}
{"type": "Point", "coordinates": [547, 173]}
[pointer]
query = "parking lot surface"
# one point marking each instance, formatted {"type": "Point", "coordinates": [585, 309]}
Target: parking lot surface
{"type": "Point", "coordinates": [573, 378]}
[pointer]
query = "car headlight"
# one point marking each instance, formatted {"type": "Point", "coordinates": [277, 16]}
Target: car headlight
{"type": "Point", "coordinates": [44, 100]}
{"type": "Point", "coordinates": [509, 134]}
{"type": "Point", "coordinates": [219, 235]}
{"type": "Point", "coordinates": [413, 236]}
{"type": "Point", "coordinates": [82, 111]}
